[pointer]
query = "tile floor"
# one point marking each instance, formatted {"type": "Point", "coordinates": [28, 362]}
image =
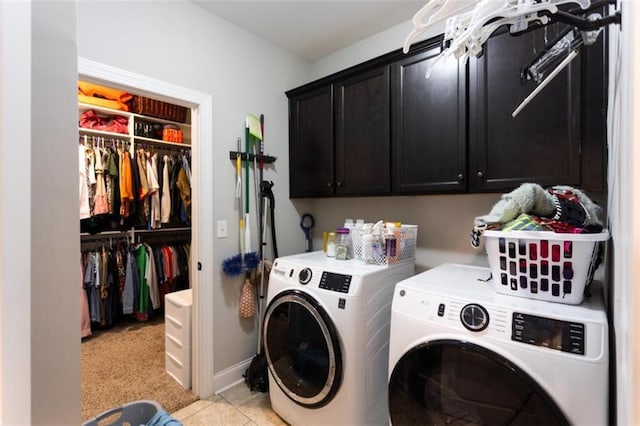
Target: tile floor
{"type": "Point", "coordinates": [237, 406]}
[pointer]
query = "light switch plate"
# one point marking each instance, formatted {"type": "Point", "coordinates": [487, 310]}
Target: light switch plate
{"type": "Point", "coordinates": [222, 229]}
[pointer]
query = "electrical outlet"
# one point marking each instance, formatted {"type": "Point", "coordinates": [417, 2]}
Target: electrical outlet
{"type": "Point", "coordinates": [222, 229]}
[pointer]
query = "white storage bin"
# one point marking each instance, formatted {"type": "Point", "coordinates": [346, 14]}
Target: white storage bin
{"type": "Point", "coordinates": [543, 265]}
{"type": "Point", "coordinates": [177, 326]}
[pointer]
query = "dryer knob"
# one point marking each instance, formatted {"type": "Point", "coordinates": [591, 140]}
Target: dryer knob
{"type": "Point", "coordinates": [305, 276]}
{"type": "Point", "coordinates": [474, 317]}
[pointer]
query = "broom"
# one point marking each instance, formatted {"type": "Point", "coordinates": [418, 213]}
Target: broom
{"type": "Point", "coordinates": [251, 258]}
{"type": "Point", "coordinates": [234, 265]}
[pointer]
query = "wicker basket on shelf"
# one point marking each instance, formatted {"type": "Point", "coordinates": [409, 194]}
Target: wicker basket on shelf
{"type": "Point", "coordinates": [158, 109]}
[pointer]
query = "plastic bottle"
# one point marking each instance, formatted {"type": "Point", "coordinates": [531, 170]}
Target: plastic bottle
{"type": "Point", "coordinates": [351, 226]}
{"type": "Point", "coordinates": [367, 242]}
{"type": "Point", "coordinates": [390, 242]}
{"type": "Point", "coordinates": [331, 244]}
{"type": "Point", "coordinates": [343, 244]}
{"type": "Point", "coordinates": [377, 245]}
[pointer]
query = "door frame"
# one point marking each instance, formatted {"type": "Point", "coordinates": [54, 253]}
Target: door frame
{"type": "Point", "coordinates": [201, 275]}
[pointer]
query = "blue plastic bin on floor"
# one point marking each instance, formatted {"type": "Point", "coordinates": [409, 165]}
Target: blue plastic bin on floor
{"type": "Point", "coordinates": [132, 413]}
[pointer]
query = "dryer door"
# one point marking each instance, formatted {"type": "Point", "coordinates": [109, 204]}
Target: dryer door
{"type": "Point", "coordinates": [302, 349]}
{"type": "Point", "coordinates": [458, 383]}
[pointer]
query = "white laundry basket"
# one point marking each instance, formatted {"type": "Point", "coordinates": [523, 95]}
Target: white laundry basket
{"type": "Point", "coordinates": [543, 265]}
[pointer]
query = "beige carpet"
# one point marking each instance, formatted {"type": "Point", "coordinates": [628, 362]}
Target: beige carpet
{"type": "Point", "coordinates": [125, 364]}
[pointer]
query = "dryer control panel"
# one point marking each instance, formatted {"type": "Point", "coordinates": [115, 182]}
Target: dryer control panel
{"type": "Point", "coordinates": [549, 333]}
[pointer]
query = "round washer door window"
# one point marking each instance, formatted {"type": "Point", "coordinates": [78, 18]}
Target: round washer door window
{"type": "Point", "coordinates": [302, 349]}
{"type": "Point", "coordinates": [458, 383]}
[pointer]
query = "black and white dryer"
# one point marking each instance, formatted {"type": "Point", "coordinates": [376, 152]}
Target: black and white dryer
{"type": "Point", "coordinates": [462, 354]}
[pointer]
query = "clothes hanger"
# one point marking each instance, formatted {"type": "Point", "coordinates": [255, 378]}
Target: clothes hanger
{"type": "Point", "coordinates": [464, 25]}
{"type": "Point", "coordinates": [546, 81]}
{"type": "Point", "coordinates": [443, 10]}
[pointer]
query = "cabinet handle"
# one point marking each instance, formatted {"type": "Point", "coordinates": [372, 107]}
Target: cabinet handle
{"type": "Point", "coordinates": [480, 175]}
{"type": "Point", "coordinates": [460, 177]}
{"type": "Point", "coordinates": [329, 184]}
{"type": "Point", "coordinates": [339, 184]}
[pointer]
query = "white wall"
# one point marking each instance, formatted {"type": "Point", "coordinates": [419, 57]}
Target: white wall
{"type": "Point", "coordinates": [624, 203]}
{"type": "Point", "coordinates": [39, 289]}
{"type": "Point", "coordinates": [376, 45]}
{"type": "Point", "coordinates": [181, 43]}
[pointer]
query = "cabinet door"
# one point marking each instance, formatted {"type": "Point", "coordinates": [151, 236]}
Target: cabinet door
{"type": "Point", "coordinates": [311, 144]}
{"type": "Point", "coordinates": [429, 125]}
{"type": "Point", "coordinates": [595, 90]}
{"type": "Point", "coordinates": [362, 134]}
{"type": "Point", "coordinates": [541, 144]}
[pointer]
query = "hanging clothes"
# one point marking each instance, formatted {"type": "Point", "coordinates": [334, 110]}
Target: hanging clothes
{"type": "Point", "coordinates": [130, 280]}
{"type": "Point", "coordinates": [85, 318]}
{"type": "Point", "coordinates": [126, 184]}
{"type": "Point", "coordinates": [154, 190]}
{"type": "Point", "coordinates": [101, 203]}
{"type": "Point", "coordinates": [85, 209]}
{"type": "Point", "coordinates": [165, 201]}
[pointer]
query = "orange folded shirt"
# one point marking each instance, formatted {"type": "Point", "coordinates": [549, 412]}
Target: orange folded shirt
{"type": "Point", "coordinates": [107, 97]}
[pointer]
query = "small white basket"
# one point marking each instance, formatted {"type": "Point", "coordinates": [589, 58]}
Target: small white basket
{"type": "Point", "coordinates": [543, 265]}
{"type": "Point", "coordinates": [406, 237]}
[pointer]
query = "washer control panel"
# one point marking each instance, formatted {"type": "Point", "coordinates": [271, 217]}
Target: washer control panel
{"type": "Point", "coordinates": [335, 282]}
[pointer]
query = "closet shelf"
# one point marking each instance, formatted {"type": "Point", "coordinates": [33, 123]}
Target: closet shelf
{"type": "Point", "coordinates": [82, 107]}
{"type": "Point", "coordinates": [103, 111]}
{"type": "Point", "coordinates": [137, 125]}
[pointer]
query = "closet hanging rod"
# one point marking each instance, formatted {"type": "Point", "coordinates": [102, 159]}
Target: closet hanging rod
{"type": "Point", "coordinates": [168, 150]}
{"type": "Point", "coordinates": [127, 233]}
{"type": "Point", "coordinates": [103, 139]}
{"type": "Point", "coordinates": [84, 236]}
{"type": "Point", "coordinates": [163, 230]}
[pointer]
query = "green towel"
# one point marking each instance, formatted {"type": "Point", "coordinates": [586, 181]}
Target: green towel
{"type": "Point", "coordinates": [524, 222]}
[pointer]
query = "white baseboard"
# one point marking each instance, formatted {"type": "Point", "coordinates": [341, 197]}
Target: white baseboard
{"type": "Point", "coordinates": [231, 376]}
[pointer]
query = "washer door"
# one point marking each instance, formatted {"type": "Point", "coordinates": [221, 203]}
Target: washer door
{"type": "Point", "coordinates": [458, 383]}
{"type": "Point", "coordinates": [302, 349]}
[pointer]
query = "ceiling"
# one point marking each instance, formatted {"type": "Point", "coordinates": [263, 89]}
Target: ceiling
{"type": "Point", "coordinates": [315, 29]}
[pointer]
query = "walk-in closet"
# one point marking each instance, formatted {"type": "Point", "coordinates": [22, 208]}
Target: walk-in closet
{"type": "Point", "coordinates": [135, 209]}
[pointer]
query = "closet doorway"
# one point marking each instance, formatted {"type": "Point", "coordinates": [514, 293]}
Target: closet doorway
{"type": "Point", "coordinates": [201, 268]}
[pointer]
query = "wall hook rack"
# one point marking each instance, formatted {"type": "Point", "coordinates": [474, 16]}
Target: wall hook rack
{"type": "Point", "coordinates": [267, 159]}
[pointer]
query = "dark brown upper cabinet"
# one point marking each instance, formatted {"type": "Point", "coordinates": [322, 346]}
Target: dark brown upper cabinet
{"type": "Point", "coordinates": [339, 137]}
{"type": "Point", "coordinates": [381, 127]}
{"type": "Point", "coordinates": [429, 125]}
{"type": "Point", "coordinates": [311, 143]}
{"type": "Point", "coordinates": [362, 134]}
{"type": "Point", "coordinates": [542, 143]}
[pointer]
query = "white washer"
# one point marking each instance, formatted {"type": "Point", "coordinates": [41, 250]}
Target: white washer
{"type": "Point", "coordinates": [326, 338]}
{"type": "Point", "coordinates": [461, 353]}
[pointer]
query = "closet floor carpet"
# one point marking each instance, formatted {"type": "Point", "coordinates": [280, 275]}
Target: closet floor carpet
{"type": "Point", "coordinates": [127, 363]}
